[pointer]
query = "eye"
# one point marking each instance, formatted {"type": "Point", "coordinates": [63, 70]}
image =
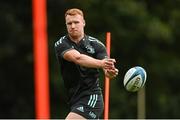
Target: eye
{"type": "Point", "coordinates": [69, 23]}
{"type": "Point", "coordinates": [76, 22]}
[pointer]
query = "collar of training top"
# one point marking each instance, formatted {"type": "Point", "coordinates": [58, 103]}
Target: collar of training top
{"type": "Point", "coordinates": [81, 43]}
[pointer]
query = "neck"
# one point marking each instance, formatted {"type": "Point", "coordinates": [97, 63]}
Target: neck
{"type": "Point", "coordinates": [76, 39]}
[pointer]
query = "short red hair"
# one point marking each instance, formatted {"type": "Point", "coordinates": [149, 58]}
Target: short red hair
{"type": "Point", "coordinates": [74, 11]}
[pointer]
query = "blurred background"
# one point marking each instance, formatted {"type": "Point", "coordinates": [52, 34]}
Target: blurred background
{"type": "Point", "coordinates": [143, 32]}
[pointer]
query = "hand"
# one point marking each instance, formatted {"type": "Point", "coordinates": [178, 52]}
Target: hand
{"type": "Point", "coordinates": [108, 63]}
{"type": "Point", "coordinates": [111, 73]}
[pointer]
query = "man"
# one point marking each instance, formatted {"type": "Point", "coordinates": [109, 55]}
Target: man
{"type": "Point", "coordinates": [80, 56]}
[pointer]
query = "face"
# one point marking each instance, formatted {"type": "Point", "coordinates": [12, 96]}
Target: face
{"type": "Point", "coordinates": [75, 26]}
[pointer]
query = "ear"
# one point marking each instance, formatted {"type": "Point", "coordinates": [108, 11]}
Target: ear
{"type": "Point", "coordinates": [84, 22]}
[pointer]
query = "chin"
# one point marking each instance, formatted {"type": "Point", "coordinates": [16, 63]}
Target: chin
{"type": "Point", "coordinates": [75, 36]}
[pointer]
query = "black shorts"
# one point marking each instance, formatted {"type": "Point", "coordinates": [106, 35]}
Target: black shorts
{"type": "Point", "coordinates": [90, 107]}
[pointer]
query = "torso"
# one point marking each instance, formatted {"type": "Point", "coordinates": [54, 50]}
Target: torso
{"type": "Point", "coordinates": [79, 80]}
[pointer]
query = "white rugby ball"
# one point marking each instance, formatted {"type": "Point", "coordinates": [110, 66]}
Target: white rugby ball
{"type": "Point", "coordinates": [135, 78]}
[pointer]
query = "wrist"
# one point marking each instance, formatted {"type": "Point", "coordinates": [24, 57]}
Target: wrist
{"type": "Point", "coordinates": [101, 64]}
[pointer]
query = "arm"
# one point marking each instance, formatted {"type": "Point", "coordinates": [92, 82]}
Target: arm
{"type": "Point", "coordinates": [87, 61]}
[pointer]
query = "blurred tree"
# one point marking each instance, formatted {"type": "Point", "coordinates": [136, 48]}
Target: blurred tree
{"type": "Point", "coordinates": [16, 87]}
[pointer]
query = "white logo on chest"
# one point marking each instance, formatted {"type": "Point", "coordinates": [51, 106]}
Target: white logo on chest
{"type": "Point", "coordinates": [90, 49]}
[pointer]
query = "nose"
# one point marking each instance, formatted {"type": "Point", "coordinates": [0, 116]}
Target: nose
{"type": "Point", "coordinates": [72, 25]}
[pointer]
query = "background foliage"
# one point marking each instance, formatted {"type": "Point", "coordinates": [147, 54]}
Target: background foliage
{"type": "Point", "coordinates": [144, 32]}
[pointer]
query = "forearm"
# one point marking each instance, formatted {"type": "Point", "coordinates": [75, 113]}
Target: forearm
{"type": "Point", "coordinates": [87, 61]}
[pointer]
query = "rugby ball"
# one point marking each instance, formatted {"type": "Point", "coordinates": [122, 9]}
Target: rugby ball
{"type": "Point", "coordinates": [134, 79]}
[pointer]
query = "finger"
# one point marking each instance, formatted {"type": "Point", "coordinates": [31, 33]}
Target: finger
{"type": "Point", "coordinates": [111, 60]}
{"type": "Point", "coordinates": [108, 68]}
{"type": "Point", "coordinates": [117, 71]}
{"type": "Point", "coordinates": [109, 65]}
{"type": "Point", "coordinates": [113, 71]}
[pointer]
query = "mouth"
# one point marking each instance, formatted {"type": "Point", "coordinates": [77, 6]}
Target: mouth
{"type": "Point", "coordinates": [74, 31]}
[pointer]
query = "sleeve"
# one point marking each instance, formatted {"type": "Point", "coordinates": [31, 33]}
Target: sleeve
{"type": "Point", "coordinates": [100, 49]}
{"type": "Point", "coordinates": [61, 47]}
